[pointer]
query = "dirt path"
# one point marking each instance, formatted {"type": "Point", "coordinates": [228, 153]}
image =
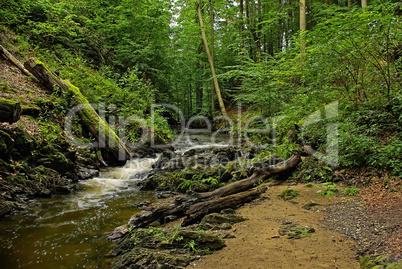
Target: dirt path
{"type": "Point", "coordinates": [258, 244]}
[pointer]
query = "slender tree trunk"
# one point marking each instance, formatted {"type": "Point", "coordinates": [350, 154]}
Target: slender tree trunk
{"type": "Point", "coordinates": [212, 55]}
{"type": "Point", "coordinates": [280, 29]}
{"type": "Point", "coordinates": [349, 3]}
{"type": "Point", "coordinates": [259, 27]}
{"type": "Point", "coordinates": [14, 60]}
{"type": "Point", "coordinates": [241, 23]}
{"type": "Point", "coordinates": [364, 3]}
{"type": "Point", "coordinates": [302, 25]}
{"type": "Point", "coordinates": [211, 62]}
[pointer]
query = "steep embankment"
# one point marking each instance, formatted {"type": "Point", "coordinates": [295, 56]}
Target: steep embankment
{"type": "Point", "coordinates": [36, 159]}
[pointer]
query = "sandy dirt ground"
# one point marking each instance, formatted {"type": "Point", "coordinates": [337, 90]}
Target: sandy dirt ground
{"type": "Point", "coordinates": [257, 243]}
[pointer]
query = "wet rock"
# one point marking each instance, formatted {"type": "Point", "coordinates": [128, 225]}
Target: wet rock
{"type": "Point", "coordinates": [118, 232]}
{"type": "Point", "coordinates": [86, 173]}
{"type": "Point", "coordinates": [163, 159]}
{"type": "Point", "coordinates": [142, 204]}
{"type": "Point", "coordinates": [165, 194]}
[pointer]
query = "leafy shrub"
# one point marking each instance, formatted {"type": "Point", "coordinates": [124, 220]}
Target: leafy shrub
{"type": "Point", "coordinates": [330, 189]}
{"type": "Point", "coordinates": [351, 191]}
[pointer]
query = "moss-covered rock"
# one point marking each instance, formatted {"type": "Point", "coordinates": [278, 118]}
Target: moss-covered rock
{"type": "Point", "coordinates": [33, 111]}
{"type": "Point", "coordinates": [24, 144]}
{"type": "Point", "coordinates": [144, 258]}
{"type": "Point", "coordinates": [164, 247]}
{"type": "Point", "coordinates": [6, 145]}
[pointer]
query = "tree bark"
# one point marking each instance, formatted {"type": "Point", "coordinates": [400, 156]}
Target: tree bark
{"type": "Point", "coordinates": [212, 18]}
{"type": "Point", "coordinates": [95, 125]}
{"type": "Point", "coordinates": [10, 111]}
{"type": "Point", "coordinates": [17, 63]}
{"type": "Point", "coordinates": [364, 3]}
{"type": "Point", "coordinates": [211, 62]}
{"type": "Point", "coordinates": [247, 183]}
{"type": "Point", "coordinates": [302, 26]}
{"type": "Point", "coordinates": [197, 211]}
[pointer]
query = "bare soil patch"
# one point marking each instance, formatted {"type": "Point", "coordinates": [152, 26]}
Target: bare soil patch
{"type": "Point", "coordinates": [258, 244]}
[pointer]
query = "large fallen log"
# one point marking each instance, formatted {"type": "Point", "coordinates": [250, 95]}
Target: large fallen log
{"type": "Point", "coordinates": [91, 120]}
{"type": "Point", "coordinates": [196, 205]}
{"type": "Point", "coordinates": [197, 211]}
{"type": "Point", "coordinates": [10, 110]}
{"type": "Point", "coordinates": [249, 182]}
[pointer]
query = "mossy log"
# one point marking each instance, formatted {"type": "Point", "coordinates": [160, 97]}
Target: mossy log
{"type": "Point", "coordinates": [10, 110]}
{"type": "Point", "coordinates": [196, 205]}
{"type": "Point", "coordinates": [247, 183]}
{"type": "Point", "coordinates": [89, 117]}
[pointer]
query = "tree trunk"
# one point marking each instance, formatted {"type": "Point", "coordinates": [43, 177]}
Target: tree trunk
{"type": "Point", "coordinates": [10, 110]}
{"type": "Point", "coordinates": [196, 205]}
{"type": "Point", "coordinates": [302, 26]}
{"type": "Point", "coordinates": [95, 125]}
{"type": "Point", "coordinates": [364, 3]}
{"type": "Point", "coordinates": [197, 211]}
{"type": "Point", "coordinates": [249, 182]}
{"type": "Point", "coordinates": [17, 63]}
{"type": "Point", "coordinates": [211, 62]}
{"type": "Point", "coordinates": [212, 55]}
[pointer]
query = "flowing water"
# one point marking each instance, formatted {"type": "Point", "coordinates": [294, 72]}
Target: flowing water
{"type": "Point", "coordinates": [70, 231]}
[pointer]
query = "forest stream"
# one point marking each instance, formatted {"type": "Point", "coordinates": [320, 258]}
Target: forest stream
{"type": "Point", "coordinates": [70, 231]}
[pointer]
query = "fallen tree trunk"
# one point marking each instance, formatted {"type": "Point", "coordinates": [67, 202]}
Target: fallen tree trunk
{"type": "Point", "coordinates": [196, 205]}
{"type": "Point", "coordinates": [197, 211]}
{"type": "Point", "coordinates": [10, 111]}
{"type": "Point", "coordinates": [249, 182]}
{"type": "Point", "coordinates": [96, 126]}
{"type": "Point", "coordinates": [14, 60]}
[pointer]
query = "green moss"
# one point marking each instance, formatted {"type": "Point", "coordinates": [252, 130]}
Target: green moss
{"type": "Point", "coordinates": [46, 176]}
{"type": "Point", "coordinates": [5, 144]}
{"type": "Point", "coordinates": [30, 110]}
{"type": "Point", "coordinates": [379, 262]}
{"type": "Point", "coordinates": [8, 104]}
{"type": "Point", "coordinates": [5, 89]}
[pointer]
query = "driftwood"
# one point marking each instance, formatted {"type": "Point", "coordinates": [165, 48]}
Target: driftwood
{"type": "Point", "coordinates": [14, 60]}
{"type": "Point", "coordinates": [10, 111]}
{"type": "Point", "coordinates": [197, 211]}
{"type": "Point", "coordinates": [91, 120]}
{"type": "Point", "coordinates": [249, 182]}
{"type": "Point", "coordinates": [196, 205]}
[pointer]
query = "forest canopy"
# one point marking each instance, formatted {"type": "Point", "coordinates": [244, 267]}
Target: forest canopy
{"type": "Point", "coordinates": [277, 58]}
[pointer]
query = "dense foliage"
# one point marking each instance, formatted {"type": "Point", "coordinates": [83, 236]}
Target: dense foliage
{"type": "Point", "coordinates": [135, 53]}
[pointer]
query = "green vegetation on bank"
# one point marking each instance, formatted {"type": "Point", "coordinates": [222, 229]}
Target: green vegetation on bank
{"type": "Point", "coordinates": [336, 87]}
